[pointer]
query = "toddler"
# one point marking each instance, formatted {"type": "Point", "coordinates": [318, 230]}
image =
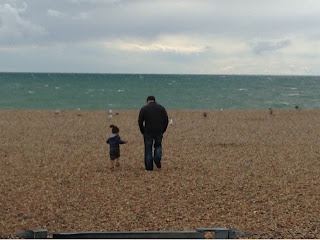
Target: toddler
{"type": "Point", "coordinates": [114, 141]}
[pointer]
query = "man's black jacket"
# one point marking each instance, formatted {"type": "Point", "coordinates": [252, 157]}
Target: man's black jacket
{"type": "Point", "coordinates": [155, 119]}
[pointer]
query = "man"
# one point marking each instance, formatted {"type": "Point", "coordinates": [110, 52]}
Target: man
{"type": "Point", "coordinates": [153, 122]}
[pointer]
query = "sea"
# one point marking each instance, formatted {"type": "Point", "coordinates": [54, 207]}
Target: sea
{"type": "Point", "coordinates": [73, 91]}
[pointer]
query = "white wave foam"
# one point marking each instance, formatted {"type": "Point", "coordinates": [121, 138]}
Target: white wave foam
{"type": "Point", "coordinates": [31, 92]}
{"type": "Point", "coordinates": [120, 90]}
{"type": "Point", "coordinates": [242, 89]}
{"type": "Point", "coordinates": [284, 103]}
{"type": "Point", "coordinates": [291, 94]}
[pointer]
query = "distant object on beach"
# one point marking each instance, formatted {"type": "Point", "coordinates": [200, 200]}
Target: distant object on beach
{"type": "Point", "coordinates": [79, 113]}
{"type": "Point", "coordinates": [270, 111]}
{"type": "Point", "coordinates": [296, 107]}
{"type": "Point", "coordinates": [170, 121]}
{"type": "Point", "coordinates": [110, 114]}
{"type": "Point", "coordinates": [221, 109]}
{"type": "Point", "coordinates": [205, 114]}
{"type": "Point", "coordinates": [57, 111]}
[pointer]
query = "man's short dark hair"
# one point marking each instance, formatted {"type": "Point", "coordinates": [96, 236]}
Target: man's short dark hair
{"type": "Point", "coordinates": [151, 98]}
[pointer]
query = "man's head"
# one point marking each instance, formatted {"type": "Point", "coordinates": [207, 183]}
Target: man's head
{"type": "Point", "coordinates": [151, 99]}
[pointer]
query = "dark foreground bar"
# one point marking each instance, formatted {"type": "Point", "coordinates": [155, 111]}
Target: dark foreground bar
{"type": "Point", "coordinates": [219, 233]}
{"type": "Point", "coordinates": [131, 235]}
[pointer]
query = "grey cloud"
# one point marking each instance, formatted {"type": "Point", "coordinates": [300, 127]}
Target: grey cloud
{"type": "Point", "coordinates": [90, 20]}
{"type": "Point", "coordinates": [268, 46]}
{"type": "Point", "coordinates": [14, 29]}
{"type": "Point", "coordinates": [42, 27]}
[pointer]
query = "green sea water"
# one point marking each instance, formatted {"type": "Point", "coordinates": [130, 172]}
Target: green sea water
{"type": "Point", "coordinates": [129, 91]}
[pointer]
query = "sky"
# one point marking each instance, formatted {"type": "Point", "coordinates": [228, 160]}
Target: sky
{"type": "Point", "coordinates": [278, 37]}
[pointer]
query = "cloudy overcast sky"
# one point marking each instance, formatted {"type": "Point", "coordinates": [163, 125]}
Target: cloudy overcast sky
{"type": "Point", "coordinates": [161, 36]}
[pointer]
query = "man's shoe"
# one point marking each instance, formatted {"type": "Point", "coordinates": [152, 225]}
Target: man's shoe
{"type": "Point", "coordinates": [158, 165]}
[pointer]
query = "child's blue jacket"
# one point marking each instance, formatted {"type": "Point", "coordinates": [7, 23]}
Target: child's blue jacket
{"type": "Point", "coordinates": [114, 141]}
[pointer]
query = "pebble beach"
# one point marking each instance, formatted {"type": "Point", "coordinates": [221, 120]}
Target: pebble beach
{"type": "Point", "coordinates": [245, 169]}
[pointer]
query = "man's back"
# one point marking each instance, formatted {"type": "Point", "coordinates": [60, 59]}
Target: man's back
{"type": "Point", "coordinates": [155, 118]}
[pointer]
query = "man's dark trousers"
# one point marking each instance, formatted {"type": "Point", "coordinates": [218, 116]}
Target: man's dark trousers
{"type": "Point", "coordinates": [149, 139]}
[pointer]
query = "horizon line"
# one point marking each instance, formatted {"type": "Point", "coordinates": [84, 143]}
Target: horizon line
{"type": "Point", "coordinates": [195, 74]}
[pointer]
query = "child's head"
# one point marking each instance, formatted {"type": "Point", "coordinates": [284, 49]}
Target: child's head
{"type": "Point", "coordinates": [115, 129]}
